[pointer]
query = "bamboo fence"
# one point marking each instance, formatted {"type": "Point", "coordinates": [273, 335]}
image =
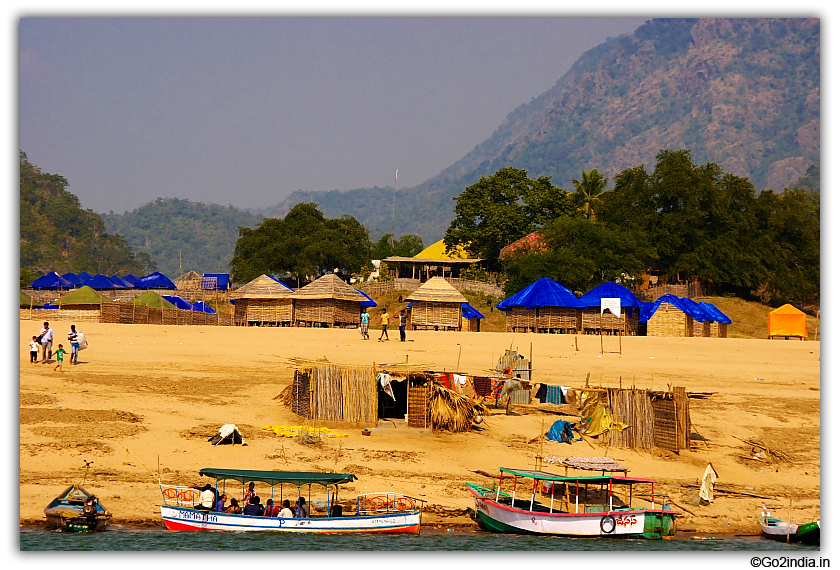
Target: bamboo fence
{"type": "Point", "coordinates": [264, 311]}
{"type": "Point", "coordinates": [544, 319]}
{"type": "Point", "coordinates": [718, 330]}
{"type": "Point", "coordinates": [344, 394]}
{"type": "Point", "coordinates": [701, 328]}
{"type": "Point", "coordinates": [301, 394]}
{"type": "Point", "coordinates": [594, 321]}
{"type": "Point", "coordinates": [633, 408]}
{"type": "Point", "coordinates": [327, 312]}
{"type": "Point", "coordinates": [418, 407]}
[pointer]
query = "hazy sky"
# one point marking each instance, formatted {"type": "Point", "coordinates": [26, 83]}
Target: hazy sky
{"type": "Point", "coordinates": [244, 111]}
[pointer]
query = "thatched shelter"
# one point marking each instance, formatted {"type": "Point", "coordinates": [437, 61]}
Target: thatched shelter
{"type": "Point", "coordinates": [84, 298]}
{"type": "Point", "coordinates": [189, 282]}
{"type": "Point", "coordinates": [543, 306]}
{"type": "Point", "coordinates": [27, 302]}
{"type": "Point", "coordinates": [669, 316]}
{"type": "Point", "coordinates": [434, 261]}
{"type": "Point", "coordinates": [263, 301]}
{"type": "Point", "coordinates": [152, 299]}
{"type": "Point", "coordinates": [328, 302]}
{"type": "Point", "coordinates": [436, 304]}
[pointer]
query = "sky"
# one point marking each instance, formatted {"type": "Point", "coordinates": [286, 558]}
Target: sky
{"type": "Point", "coordinates": [245, 111]}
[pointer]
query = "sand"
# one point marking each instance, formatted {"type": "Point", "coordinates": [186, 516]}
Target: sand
{"type": "Point", "coordinates": [144, 399]}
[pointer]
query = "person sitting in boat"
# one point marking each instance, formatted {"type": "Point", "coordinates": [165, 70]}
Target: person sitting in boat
{"type": "Point", "coordinates": [234, 507]}
{"type": "Point", "coordinates": [286, 511]}
{"type": "Point", "coordinates": [254, 508]}
{"type": "Point", "coordinates": [220, 504]}
{"type": "Point", "coordinates": [249, 494]}
{"type": "Point", "coordinates": [271, 510]}
{"type": "Point", "coordinates": [207, 499]}
{"type": "Point", "coordinates": [302, 508]}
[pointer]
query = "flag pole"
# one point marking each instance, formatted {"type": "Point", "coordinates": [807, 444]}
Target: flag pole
{"type": "Point", "coordinates": [394, 215]}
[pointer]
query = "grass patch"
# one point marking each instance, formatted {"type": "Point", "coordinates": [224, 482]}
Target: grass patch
{"type": "Point", "coordinates": [749, 319]}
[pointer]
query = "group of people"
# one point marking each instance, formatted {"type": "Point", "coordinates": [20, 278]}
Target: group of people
{"type": "Point", "coordinates": [207, 501]}
{"type": "Point", "coordinates": [43, 343]}
{"type": "Point", "coordinates": [385, 321]}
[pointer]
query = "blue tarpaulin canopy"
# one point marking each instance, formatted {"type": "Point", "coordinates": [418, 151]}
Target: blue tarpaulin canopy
{"type": "Point", "coordinates": [155, 280]}
{"type": "Point", "coordinates": [369, 303]}
{"type": "Point", "coordinates": [543, 293]}
{"type": "Point", "coordinates": [178, 302]}
{"type": "Point", "coordinates": [469, 312]}
{"type": "Point", "coordinates": [222, 280]}
{"type": "Point", "coordinates": [610, 290]}
{"type": "Point", "coordinates": [718, 316]}
{"type": "Point", "coordinates": [51, 281]}
{"type": "Point", "coordinates": [84, 276]}
{"type": "Point", "coordinates": [100, 282]}
{"type": "Point", "coordinates": [131, 278]}
{"type": "Point", "coordinates": [687, 306]}
{"type": "Point", "coordinates": [72, 278]}
{"type": "Point", "coordinates": [120, 282]}
{"type": "Point", "coordinates": [203, 307]}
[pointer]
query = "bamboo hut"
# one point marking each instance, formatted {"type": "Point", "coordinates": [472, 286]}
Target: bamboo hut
{"type": "Point", "coordinates": [472, 316]}
{"type": "Point", "coordinates": [596, 319]}
{"type": "Point", "coordinates": [328, 302]}
{"type": "Point", "coordinates": [436, 304]}
{"type": "Point", "coordinates": [669, 316]}
{"type": "Point", "coordinates": [189, 282]}
{"type": "Point", "coordinates": [719, 327]}
{"type": "Point", "coordinates": [263, 301]}
{"type": "Point", "coordinates": [545, 306]}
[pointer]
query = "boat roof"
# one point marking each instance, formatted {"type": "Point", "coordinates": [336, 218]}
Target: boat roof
{"type": "Point", "coordinates": [276, 477]}
{"type": "Point", "coordinates": [545, 476]}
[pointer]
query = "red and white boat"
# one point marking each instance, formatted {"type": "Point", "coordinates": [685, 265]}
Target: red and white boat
{"type": "Point", "coordinates": [375, 512]}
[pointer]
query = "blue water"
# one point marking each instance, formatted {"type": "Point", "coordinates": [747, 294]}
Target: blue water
{"type": "Point", "coordinates": [163, 540]}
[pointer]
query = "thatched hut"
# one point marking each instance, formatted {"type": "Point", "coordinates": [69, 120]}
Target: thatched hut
{"type": "Point", "coordinates": [83, 298]}
{"type": "Point", "coordinates": [436, 304]}
{"type": "Point", "coordinates": [189, 282]}
{"type": "Point", "coordinates": [152, 299]}
{"type": "Point", "coordinates": [543, 306]}
{"type": "Point", "coordinates": [328, 302]}
{"type": "Point", "coordinates": [263, 301]}
{"type": "Point", "coordinates": [669, 316]}
{"type": "Point", "coordinates": [472, 316]}
{"type": "Point", "coordinates": [597, 319]}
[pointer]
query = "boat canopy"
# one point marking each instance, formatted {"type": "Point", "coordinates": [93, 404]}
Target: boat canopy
{"type": "Point", "coordinates": [545, 476]}
{"type": "Point", "coordinates": [276, 477]}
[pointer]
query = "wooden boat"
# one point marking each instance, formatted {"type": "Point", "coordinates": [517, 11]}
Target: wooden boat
{"type": "Point", "coordinates": [76, 510]}
{"type": "Point", "coordinates": [588, 506]}
{"type": "Point", "coordinates": [784, 531]}
{"type": "Point", "coordinates": [375, 512]}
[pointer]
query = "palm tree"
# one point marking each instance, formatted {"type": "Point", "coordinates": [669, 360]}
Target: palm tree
{"type": "Point", "coordinates": [588, 187]}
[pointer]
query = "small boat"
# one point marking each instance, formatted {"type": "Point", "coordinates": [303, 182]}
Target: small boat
{"type": "Point", "coordinates": [588, 506]}
{"type": "Point", "coordinates": [784, 531]}
{"type": "Point", "coordinates": [76, 510]}
{"type": "Point", "coordinates": [384, 512]}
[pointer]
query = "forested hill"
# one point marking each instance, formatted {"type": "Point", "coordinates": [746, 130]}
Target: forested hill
{"type": "Point", "coordinates": [744, 93]}
{"type": "Point", "coordinates": [57, 234]}
{"type": "Point", "coordinates": [182, 235]}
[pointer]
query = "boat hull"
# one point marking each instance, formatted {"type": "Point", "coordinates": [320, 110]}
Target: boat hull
{"type": "Point", "coordinates": [614, 524]}
{"type": "Point", "coordinates": [180, 518]}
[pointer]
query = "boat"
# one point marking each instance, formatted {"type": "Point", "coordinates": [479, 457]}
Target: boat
{"type": "Point", "coordinates": [384, 512]}
{"type": "Point", "coordinates": [785, 531]}
{"type": "Point", "coordinates": [76, 510]}
{"type": "Point", "coordinates": [587, 506]}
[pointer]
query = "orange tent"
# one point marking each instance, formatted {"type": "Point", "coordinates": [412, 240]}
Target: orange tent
{"type": "Point", "coordinates": [787, 320]}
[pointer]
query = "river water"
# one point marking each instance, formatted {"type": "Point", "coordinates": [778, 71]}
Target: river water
{"type": "Point", "coordinates": [163, 540]}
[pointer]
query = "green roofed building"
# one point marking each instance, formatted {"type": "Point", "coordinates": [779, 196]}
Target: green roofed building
{"type": "Point", "coordinates": [82, 298]}
{"type": "Point", "coordinates": [152, 299]}
{"type": "Point", "coordinates": [27, 302]}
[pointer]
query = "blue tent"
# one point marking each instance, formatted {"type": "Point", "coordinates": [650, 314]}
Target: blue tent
{"type": "Point", "coordinates": [203, 307]}
{"type": "Point", "coordinates": [178, 302]}
{"type": "Point", "coordinates": [717, 315]}
{"type": "Point", "coordinates": [99, 282]}
{"type": "Point", "coordinates": [687, 306]}
{"type": "Point", "coordinates": [610, 290]}
{"type": "Point", "coordinates": [222, 280]}
{"type": "Point", "coordinates": [131, 279]}
{"type": "Point", "coordinates": [469, 312]}
{"type": "Point", "coordinates": [120, 282]}
{"type": "Point", "coordinates": [155, 280]}
{"type": "Point", "coordinates": [51, 281]}
{"type": "Point", "coordinates": [84, 276]}
{"type": "Point", "coordinates": [72, 278]}
{"type": "Point", "coordinates": [50, 306]}
{"type": "Point", "coordinates": [543, 293]}
{"type": "Point", "coordinates": [369, 303]}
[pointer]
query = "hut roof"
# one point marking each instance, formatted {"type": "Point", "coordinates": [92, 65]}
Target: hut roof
{"type": "Point", "coordinates": [203, 307]}
{"type": "Point", "coordinates": [437, 289]}
{"type": "Point", "coordinates": [718, 316]}
{"type": "Point", "coordinates": [438, 251]}
{"type": "Point", "coordinates": [687, 306]}
{"type": "Point", "coordinates": [131, 278]}
{"type": "Point", "coordinates": [84, 276]}
{"type": "Point", "coordinates": [82, 296]}
{"type": "Point", "coordinates": [329, 287]}
{"type": "Point", "coordinates": [51, 281]}
{"type": "Point", "coordinates": [369, 303]}
{"type": "Point", "coordinates": [120, 282]}
{"type": "Point", "coordinates": [152, 299]}
{"type": "Point", "coordinates": [263, 287]}
{"type": "Point", "coordinates": [26, 301]}
{"type": "Point", "coordinates": [542, 293]}
{"type": "Point", "coordinates": [72, 278]}
{"type": "Point", "coordinates": [179, 302]}
{"type": "Point", "coordinates": [611, 290]}
{"type": "Point", "coordinates": [532, 243]}
{"type": "Point", "coordinates": [99, 282]}
{"type": "Point", "coordinates": [470, 312]}
{"type": "Point", "coordinates": [189, 280]}
{"type": "Point", "coordinates": [156, 279]}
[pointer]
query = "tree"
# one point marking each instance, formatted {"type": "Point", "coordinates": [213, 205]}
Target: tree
{"type": "Point", "coordinates": [408, 245]}
{"type": "Point", "coordinates": [502, 208]}
{"type": "Point", "coordinates": [587, 190]}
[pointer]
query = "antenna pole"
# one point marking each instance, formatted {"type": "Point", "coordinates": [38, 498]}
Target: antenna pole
{"type": "Point", "coordinates": [394, 215]}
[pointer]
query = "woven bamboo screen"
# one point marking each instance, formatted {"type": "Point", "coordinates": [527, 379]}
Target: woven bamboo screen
{"type": "Point", "coordinates": [129, 313]}
{"type": "Point", "coordinates": [521, 319]}
{"type": "Point", "coordinates": [475, 325]}
{"type": "Point", "coordinates": [632, 407]}
{"type": "Point", "coordinates": [627, 323]}
{"type": "Point", "coordinates": [330, 312]}
{"type": "Point", "coordinates": [668, 320]}
{"type": "Point", "coordinates": [434, 313]}
{"type": "Point", "coordinates": [348, 394]}
{"type": "Point", "coordinates": [301, 395]}
{"type": "Point", "coordinates": [86, 315]}
{"type": "Point", "coordinates": [701, 328]}
{"type": "Point", "coordinates": [418, 407]}
{"type": "Point", "coordinates": [264, 311]}
{"type": "Point", "coordinates": [718, 330]}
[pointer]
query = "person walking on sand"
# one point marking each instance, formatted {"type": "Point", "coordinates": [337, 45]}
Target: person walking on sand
{"type": "Point", "coordinates": [46, 342]}
{"type": "Point", "coordinates": [33, 350]}
{"type": "Point", "coordinates": [59, 356]}
{"type": "Point", "coordinates": [364, 324]}
{"type": "Point", "coordinates": [403, 323]}
{"type": "Point", "coordinates": [386, 320]}
{"type": "Point", "coordinates": [73, 337]}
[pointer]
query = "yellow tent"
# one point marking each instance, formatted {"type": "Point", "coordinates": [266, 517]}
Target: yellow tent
{"type": "Point", "coordinates": [787, 320]}
{"type": "Point", "coordinates": [438, 251]}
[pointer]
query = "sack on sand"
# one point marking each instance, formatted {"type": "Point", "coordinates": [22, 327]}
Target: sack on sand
{"type": "Point", "coordinates": [80, 338]}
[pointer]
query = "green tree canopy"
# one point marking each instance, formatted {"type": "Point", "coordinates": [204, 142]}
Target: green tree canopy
{"type": "Point", "coordinates": [587, 189]}
{"type": "Point", "coordinates": [408, 245]}
{"type": "Point", "coordinates": [304, 243]}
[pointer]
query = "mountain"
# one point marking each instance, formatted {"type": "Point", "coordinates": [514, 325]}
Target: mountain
{"type": "Point", "coordinates": [182, 235]}
{"type": "Point", "coordinates": [744, 93]}
{"type": "Point", "coordinates": [57, 234]}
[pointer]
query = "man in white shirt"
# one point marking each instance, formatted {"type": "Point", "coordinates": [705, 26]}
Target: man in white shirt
{"type": "Point", "coordinates": [207, 499]}
{"type": "Point", "coordinates": [286, 511]}
{"type": "Point", "coordinates": [46, 342]}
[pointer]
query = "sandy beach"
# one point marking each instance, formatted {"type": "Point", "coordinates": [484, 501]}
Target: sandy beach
{"type": "Point", "coordinates": [145, 399]}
